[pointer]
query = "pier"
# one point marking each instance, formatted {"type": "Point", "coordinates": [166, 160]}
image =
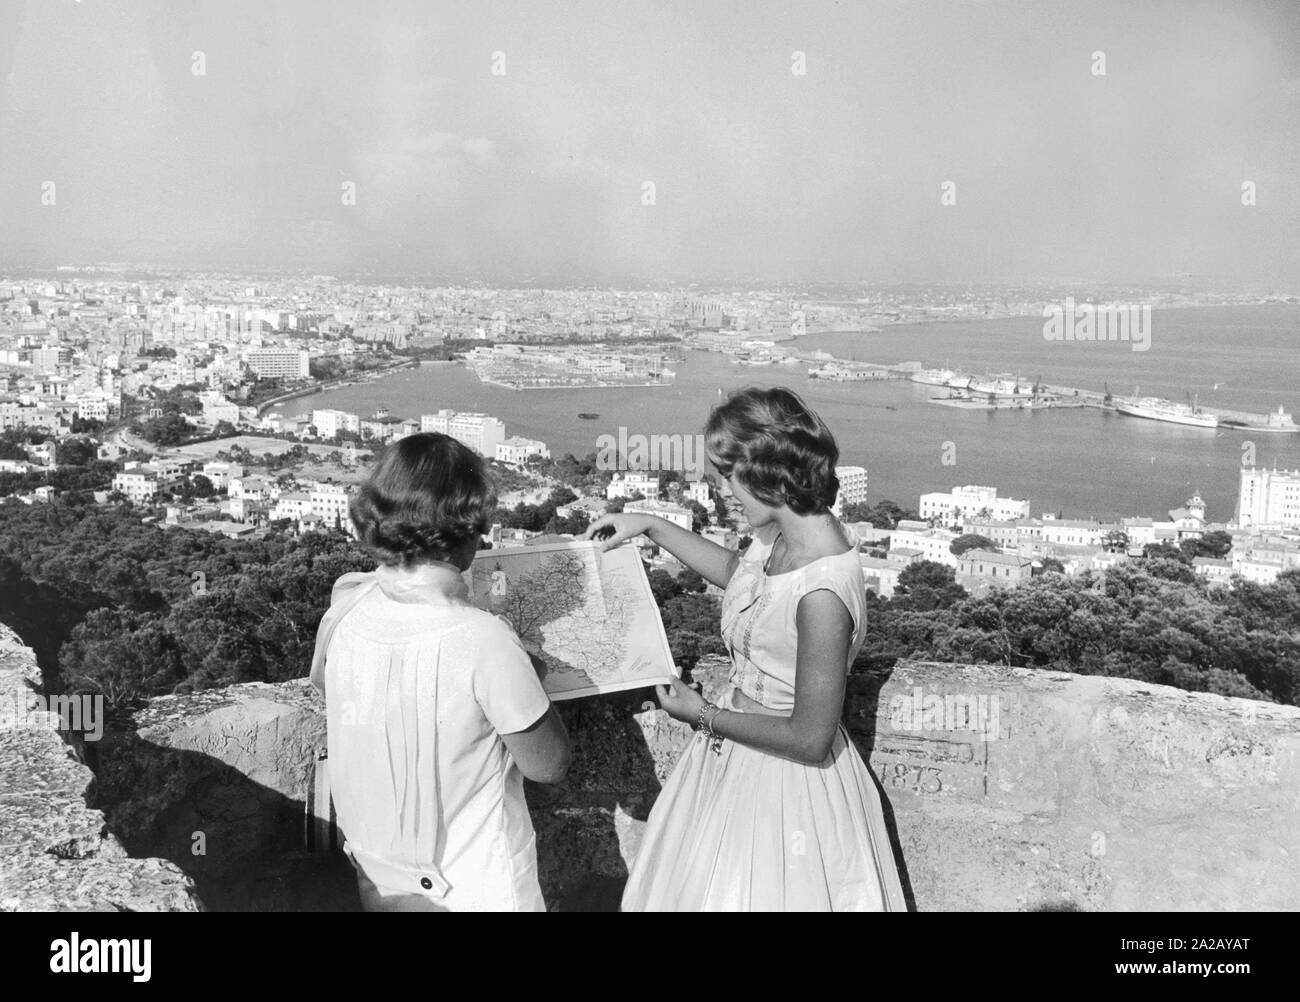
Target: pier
{"type": "Point", "coordinates": [1051, 396]}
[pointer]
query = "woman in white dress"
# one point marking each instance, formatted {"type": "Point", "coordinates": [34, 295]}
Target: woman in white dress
{"type": "Point", "coordinates": [770, 807]}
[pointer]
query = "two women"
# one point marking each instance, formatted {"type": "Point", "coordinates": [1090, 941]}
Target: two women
{"type": "Point", "coordinates": [769, 808]}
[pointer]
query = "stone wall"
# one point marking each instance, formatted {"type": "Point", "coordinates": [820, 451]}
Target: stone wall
{"type": "Point", "coordinates": [1068, 793]}
{"type": "Point", "coordinates": [55, 852]}
{"type": "Point", "coordinates": [1073, 792]}
{"type": "Point", "coordinates": [1094, 793]}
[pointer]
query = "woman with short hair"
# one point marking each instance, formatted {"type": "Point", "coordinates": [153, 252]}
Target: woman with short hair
{"type": "Point", "coordinates": [435, 710]}
{"type": "Point", "coordinates": [770, 807]}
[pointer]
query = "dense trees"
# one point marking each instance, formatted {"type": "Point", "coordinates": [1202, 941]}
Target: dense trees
{"type": "Point", "coordinates": [971, 541]}
{"type": "Point", "coordinates": [883, 515]}
{"type": "Point", "coordinates": [93, 476]}
{"type": "Point", "coordinates": [13, 441]}
{"type": "Point", "coordinates": [691, 618]}
{"type": "Point", "coordinates": [132, 611]}
{"type": "Point", "coordinates": [166, 430]}
{"type": "Point", "coordinates": [1213, 544]}
{"type": "Point", "coordinates": [74, 452]}
{"type": "Point", "coordinates": [1150, 620]}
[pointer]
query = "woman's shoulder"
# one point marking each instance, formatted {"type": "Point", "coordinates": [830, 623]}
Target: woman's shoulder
{"type": "Point", "coordinates": [482, 629]}
{"type": "Point", "coordinates": [834, 571]}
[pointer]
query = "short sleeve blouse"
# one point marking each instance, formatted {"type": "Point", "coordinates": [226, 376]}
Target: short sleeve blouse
{"type": "Point", "coordinates": [419, 688]}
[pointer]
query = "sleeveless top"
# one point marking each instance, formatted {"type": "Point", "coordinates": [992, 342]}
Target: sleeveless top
{"type": "Point", "coordinates": [758, 619]}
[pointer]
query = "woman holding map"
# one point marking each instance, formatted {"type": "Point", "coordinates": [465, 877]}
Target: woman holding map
{"type": "Point", "coordinates": [435, 711]}
{"type": "Point", "coordinates": [770, 807]}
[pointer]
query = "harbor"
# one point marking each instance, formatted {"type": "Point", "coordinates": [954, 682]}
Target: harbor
{"type": "Point", "coordinates": [1005, 391]}
{"type": "Point", "coordinates": [1001, 391]}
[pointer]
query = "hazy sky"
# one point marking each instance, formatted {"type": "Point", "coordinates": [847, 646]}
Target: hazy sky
{"type": "Point", "coordinates": [758, 172]}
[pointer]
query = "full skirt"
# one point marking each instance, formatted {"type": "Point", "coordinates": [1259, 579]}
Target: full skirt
{"type": "Point", "coordinates": [747, 831]}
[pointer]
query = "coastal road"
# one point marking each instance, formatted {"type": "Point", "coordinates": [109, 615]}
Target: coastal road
{"type": "Point", "coordinates": [125, 439]}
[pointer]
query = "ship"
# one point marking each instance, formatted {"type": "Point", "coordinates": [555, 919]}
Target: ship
{"type": "Point", "coordinates": [1000, 386]}
{"type": "Point", "coordinates": [846, 373]}
{"type": "Point", "coordinates": [933, 377]}
{"type": "Point", "coordinates": [1159, 409]}
{"type": "Point", "coordinates": [587, 416]}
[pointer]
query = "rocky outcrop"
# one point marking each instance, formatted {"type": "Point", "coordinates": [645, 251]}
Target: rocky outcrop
{"type": "Point", "coordinates": [1089, 793]}
{"type": "Point", "coordinates": [216, 782]}
{"type": "Point", "coordinates": [56, 853]}
{"type": "Point", "coordinates": [1005, 789]}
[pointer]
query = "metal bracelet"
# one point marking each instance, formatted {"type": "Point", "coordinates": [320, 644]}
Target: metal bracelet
{"type": "Point", "coordinates": [715, 739]}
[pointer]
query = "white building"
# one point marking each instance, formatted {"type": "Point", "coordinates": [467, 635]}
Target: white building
{"type": "Point", "coordinates": [1215, 571]}
{"type": "Point", "coordinates": [1269, 498]}
{"type": "Point", "coordinates": [280, 363]}
{"type": "Point", "coordinates": [97, 405]}
{"type": "Point", "coordinates": [481, 432]}
{"type": "Point", "coordinates": [1071, 532]}
{"type": "Point", "coordinates": [330, 423]}
{"type": "Point", "coordinates": [696, 488]}
{"type": "Point", "coordinates": [673, 513]}
{"type": "Point", "coordinates": [221, 473]}
{"type": "Point", "coordinates": [880, 575]}
{"type": "Point", "coordinates": [137, 487]}
{"type": "Point", "coordinates": [853, 487]}
{"type": "Point", "coordinates": [624, 485]}
{"type": "Point", "coordinates": [969, 502]}
{"type": "Point", "coordinates": [292, 504]}
{"type": "Point", "coordinates": [252, 488]}
{"type": "Point", "coordinates": [516, 450]}
{"type": "Point", "coordinates": [933, 544]}
{"type": "Point", "coordinates": [1255, 569]}
{"type": "Point", "coordinates": [976, 566]}
{"type": "Point", "coordinates": [330, 502]}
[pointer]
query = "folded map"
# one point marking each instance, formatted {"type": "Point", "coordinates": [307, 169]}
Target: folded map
{"type": "Point", "coordinates": [589, 615]}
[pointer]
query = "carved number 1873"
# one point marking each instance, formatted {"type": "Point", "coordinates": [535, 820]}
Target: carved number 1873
{"type": "Point", "coordinates": [917, 778]}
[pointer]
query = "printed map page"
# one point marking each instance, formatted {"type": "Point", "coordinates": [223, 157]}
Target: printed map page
{"type": "Point", "coordinates": [589, 615]}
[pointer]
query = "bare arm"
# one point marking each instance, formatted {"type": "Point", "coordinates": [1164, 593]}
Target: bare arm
{"type": "Point", "coordinates": [541, 751]}
{"type": "Point", "coordinates": [710, 561]}
{"type": "Point", "coordinates": [825, 628]}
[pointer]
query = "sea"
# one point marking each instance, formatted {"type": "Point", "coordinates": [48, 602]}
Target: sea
{"type": "Point", "coordinates": [1075, 463]}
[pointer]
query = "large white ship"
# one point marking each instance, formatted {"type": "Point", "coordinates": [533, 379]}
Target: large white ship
{"type": "Point", "coordinates": [1159, 409]}
{"type": "Point", "coordinates": [1001, 386]}
{"type": "Point", "coordinates": [933, 377]}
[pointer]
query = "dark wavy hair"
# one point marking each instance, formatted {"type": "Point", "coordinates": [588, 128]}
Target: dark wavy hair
{"type": "Point", "coordinates": [781, 451]}
{"type": "Point", "coordinates": [427, 496]}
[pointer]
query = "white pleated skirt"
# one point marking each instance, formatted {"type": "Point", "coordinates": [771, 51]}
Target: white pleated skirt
{"type": "Point", "coordinates": [747, 831]}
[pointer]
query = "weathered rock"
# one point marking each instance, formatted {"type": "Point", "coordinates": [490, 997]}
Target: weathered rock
{"type": "Point", "coordinates": [1069, 792]}
{"type": "Point", "coordinates": [215, 781]}
{"type": "Point", "coordinates": [1091, 792]}
{"type": "Point", "coordinates": [56, 853]}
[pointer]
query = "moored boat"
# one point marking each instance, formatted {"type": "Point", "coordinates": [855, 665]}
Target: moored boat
{"type": "Point", "coordinates": [1158, 409]}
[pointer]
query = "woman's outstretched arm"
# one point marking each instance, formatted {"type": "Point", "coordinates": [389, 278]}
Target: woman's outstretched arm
{"type": "Point", "coordinates": [807, 736]}
{"type": "Point", "coordinates": [710, 561]}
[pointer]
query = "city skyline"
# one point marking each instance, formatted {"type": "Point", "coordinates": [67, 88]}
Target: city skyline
{"type": "Point", "coordinates": [513, 144]}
